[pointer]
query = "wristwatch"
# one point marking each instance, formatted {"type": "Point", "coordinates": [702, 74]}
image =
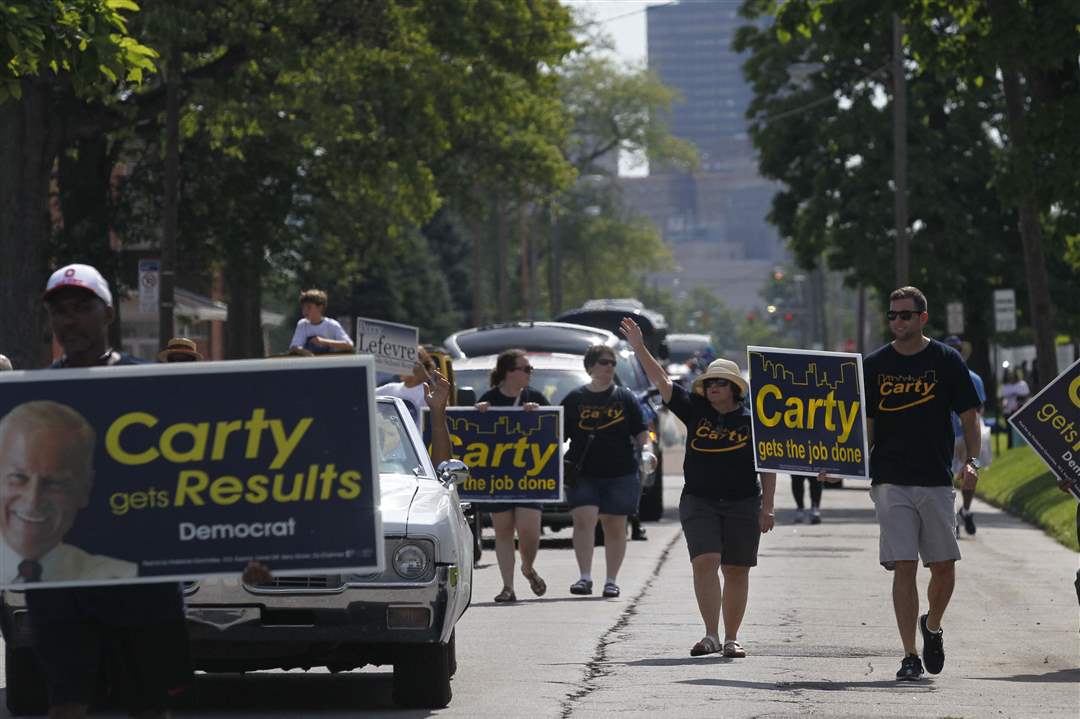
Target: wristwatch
{"type": "Point", "coordinates": [973, 462]}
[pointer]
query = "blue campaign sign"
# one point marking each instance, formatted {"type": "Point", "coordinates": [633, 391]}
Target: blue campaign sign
{"type": "Point", "coordinates": [808, 412]}
{"type": "Point", "coordinates": [1050, 422]}
{"type": "Point", "coordinates": [138, 473]}
{"type": "Point", "coordinates": [513, 454]}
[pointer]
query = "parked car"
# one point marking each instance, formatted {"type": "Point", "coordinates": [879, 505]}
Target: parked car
{"type": "Point", "coordinates": [404, 616]}
{"type": "Point", "coordinates": [554, 375]}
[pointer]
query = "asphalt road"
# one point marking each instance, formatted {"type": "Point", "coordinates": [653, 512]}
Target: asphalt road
{"type": "Point", "coordinates": [819, 632]}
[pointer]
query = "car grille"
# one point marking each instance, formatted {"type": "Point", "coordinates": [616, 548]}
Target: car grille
{"type": "Point", "coordinates": [313, 581]}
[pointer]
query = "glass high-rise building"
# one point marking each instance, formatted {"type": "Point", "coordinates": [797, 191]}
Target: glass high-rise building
{"type": "Point", "coordinates": [689, 46]}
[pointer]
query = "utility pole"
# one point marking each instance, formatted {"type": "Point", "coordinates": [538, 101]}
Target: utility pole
{"type": "Point", "coordinates": [171, 211]}
{"type": "Point", "coordinates": [900, 208]}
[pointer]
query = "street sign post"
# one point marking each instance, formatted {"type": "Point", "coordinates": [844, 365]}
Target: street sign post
{"type": "Point", "coordinates": [1004, 310]}
{"type": "Point", "coordinates": [149, 285]}
{"type": "Point", "coordinates": [954, 318]}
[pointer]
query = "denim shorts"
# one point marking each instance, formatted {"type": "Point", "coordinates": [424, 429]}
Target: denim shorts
{"type": "Point", "coordinates": [612, 495]}
{"type": "Point", "coordinates": [496, 507]}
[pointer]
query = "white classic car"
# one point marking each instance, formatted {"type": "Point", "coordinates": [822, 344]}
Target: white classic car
{"type": "Point", "coordinates": [404, 616]}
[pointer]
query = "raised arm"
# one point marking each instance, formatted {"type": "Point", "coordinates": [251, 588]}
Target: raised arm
{"type": "Point", "coordinates": [440, 432]}
{"type": "Point", "coordinates": [655, 372]}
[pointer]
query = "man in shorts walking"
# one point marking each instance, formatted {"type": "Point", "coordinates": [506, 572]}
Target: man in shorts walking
{"type": "Point", "coordinates": [912, 385]}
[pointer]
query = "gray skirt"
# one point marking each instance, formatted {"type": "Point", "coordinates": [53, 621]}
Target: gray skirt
{"type": "Point", "coordinates": [727, 528]}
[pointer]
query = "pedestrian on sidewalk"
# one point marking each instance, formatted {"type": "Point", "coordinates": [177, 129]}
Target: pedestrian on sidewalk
{"type": "Point", "coordinates": [725, 507]}
{"type": "Point", "coordinates": [797, 482]}
{"type": "Point", "coordinates": [912, 386]}
{"type": "Point", "coordinates": [510, 388]}
{"type": "Point", "coordinates": [602, 421]}
{"type": "Point", "coordinates": [1014, 393]}
{"type": "Point", "coordinates": [964, 516]}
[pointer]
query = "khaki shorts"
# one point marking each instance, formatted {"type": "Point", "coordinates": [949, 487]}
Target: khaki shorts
{"type": "Point", "coordinates": [915, 522]}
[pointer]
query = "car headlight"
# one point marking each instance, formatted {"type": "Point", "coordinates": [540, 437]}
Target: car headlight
{"type": "Point", "coordinates": [410, 561]}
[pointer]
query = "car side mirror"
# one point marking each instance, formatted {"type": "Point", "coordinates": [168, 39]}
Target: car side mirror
{"type": "Point", "coordinates": [453, 471]}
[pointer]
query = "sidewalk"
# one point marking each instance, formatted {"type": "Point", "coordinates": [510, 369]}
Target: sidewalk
{"type": "Point", "coordinates": [822, 639]}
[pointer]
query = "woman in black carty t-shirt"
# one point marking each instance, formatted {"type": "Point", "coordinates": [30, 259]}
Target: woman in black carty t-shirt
{"type": "Point", "coordinates": [602, 421]}
{"type": "Point", "coordinates": [510, 388]}
{"type": "Point", "coordinates": [724, 509]}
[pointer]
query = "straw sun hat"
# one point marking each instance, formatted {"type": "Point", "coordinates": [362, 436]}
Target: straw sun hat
{"type": "Point", "coordinates": [180, 346]}
{"type": "Point", "coordinates": [720, 369]}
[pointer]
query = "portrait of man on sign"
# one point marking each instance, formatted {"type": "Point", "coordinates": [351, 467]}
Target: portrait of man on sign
{"type": "Point", "coordinates": [46, 475]}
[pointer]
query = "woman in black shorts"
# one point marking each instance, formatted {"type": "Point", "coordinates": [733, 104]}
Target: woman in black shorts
{"type": "Point", "coordinates": [510, 388]}
{"type": "Point", "coordinates": [724, 507]}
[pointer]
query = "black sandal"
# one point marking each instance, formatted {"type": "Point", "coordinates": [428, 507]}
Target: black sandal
{"type": "Point", "coordinates": [581, 586]}
{"type": "Point", "coordinates": [506, 595]}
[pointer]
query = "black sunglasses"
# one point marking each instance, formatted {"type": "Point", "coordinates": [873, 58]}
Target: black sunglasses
{"type": "Point", "coordinates": [606, 362]}
{"type": "Point", "coordinates": [905, 315]}
{"type": "Point", "coordinates": [527, 369]}
{"type": "Point", "coordinates": [715, 381]}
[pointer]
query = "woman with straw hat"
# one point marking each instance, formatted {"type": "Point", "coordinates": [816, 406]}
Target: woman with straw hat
{"type": "Point", "coordinates": [724, 508]}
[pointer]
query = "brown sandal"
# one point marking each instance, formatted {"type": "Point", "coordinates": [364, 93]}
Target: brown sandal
{"type": "Point", "coordinates": [506, 595]}
{"type": "Point", "coordinates": [537, 584]}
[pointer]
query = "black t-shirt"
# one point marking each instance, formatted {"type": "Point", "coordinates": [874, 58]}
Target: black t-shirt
{"type": "Point", "coordinates": [495, 398]}
{"type": "Point", "coordinates": [719, 461]}
{"type": "Point", "coordinates": [614, 415]}
{"type": "Point", "coordinates": [910, 398]}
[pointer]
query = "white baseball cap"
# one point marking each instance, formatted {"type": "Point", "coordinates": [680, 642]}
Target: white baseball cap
{"type": "Point", "coordinates": [82, 276]}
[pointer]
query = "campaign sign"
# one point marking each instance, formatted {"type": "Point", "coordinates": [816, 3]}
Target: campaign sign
{"type": "Point", "coordinates": [118, 475]}
{"type": "Point", "coordinates": [392, 345]}
{"type": "Point", "coordinates": [1050, 422]}
{"type": "Point", "coordinates": [808, 412]}
{"type": "Point", "coordinates": [513, 454]}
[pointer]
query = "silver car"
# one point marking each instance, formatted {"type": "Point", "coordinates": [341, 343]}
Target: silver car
{"type": "Point", "coordinates": [404, 616]}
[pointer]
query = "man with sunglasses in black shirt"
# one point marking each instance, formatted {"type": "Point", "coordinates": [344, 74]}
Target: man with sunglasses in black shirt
{"type": "Point", "coordinates": [913, 384]}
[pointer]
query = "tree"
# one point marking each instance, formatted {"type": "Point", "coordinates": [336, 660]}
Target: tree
{"type": "Point", "coordinates": [53, 54]}
{"type": "Point", "coordinates": [827, 137]}
{"type": "Point", "coordinates": [965, 128]}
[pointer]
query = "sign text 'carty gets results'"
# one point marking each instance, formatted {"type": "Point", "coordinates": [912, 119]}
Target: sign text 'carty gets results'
{"type": "Point", "coordinates": [136, 438]}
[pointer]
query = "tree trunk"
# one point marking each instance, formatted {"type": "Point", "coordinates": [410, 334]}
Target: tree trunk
{"type": "Point", "coordinates": [28, 147]}
{"type": "Point", "coordinates": [900, 208]}
{"type": "Point", "coordinates": [555, 264]}
{"type": "Point", "coordinates": [1038, 286]}
{"type": "Point", "coordinates": [502, 242]}
{"type": "Point", "coordinates": [243, 331]}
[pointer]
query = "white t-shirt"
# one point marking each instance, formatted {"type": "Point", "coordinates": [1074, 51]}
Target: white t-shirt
{"type": "Point", "coordinates": [415, 398]}
{"type": "Point", "coordinates": [327, 329]}
{"type": "Point", "coordinates": [1011, 394]}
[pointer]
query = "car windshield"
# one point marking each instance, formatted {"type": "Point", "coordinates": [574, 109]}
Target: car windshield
{"type": "Point", "coordinates": [553, 383]}
{"type": "Point", "coordinates": [397, 455]}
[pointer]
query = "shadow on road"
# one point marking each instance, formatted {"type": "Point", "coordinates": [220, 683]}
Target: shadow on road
{"type": "Point", "coordinates": [1063, 676]}
{"type": "Point", "coordinates": [890, 684]}
{"type": "Point", "coordinates": [541, 600]}
{"type": "Point", "coordinates": [291, 694]}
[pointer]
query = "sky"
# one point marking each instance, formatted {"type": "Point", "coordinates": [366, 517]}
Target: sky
{"type": "Point", "coordinates": [623, 20]}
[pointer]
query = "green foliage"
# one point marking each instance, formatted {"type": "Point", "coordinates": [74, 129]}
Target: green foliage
{"type": "Point", "coordinates": [826, 135]}
{"type": "Point", "coordinates": [86, 41]}
{"type": "Point", "coordinates": [1019, 482]}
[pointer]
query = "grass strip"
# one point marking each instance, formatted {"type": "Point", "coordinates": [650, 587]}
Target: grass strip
{"type": "Point", "coordinates": [1019, 482]}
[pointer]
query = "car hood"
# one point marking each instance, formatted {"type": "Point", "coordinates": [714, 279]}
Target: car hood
{"type": "Point", "coordinates": [411, 505]}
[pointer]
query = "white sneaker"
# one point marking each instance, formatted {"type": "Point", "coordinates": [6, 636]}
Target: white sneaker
{"type": "Point", "coordinates": [800, 516]}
